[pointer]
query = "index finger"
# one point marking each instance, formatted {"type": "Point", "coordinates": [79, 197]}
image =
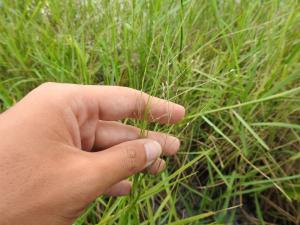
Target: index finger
{"type": "Point", "coordinates": [120, 102]}
{"type": "Point", "coordinates": [115, 103]}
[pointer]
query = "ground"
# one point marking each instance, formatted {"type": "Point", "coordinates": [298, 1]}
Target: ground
{"type": "Point", "coordinates": [234, 65]}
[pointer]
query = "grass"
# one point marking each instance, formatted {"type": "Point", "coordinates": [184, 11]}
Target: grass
{"type": "Point", "coordinates": [235, 65]}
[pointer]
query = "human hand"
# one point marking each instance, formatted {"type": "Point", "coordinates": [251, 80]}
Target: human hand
{"type": "Point", "coordinates": [60, 149]}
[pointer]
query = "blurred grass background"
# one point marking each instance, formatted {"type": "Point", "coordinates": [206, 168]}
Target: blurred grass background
{"type": "Point", "coordinates": [234, 65]}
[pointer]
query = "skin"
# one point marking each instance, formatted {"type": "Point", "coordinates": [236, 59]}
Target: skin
{"type": "Point", "coordinates": [61, 147]}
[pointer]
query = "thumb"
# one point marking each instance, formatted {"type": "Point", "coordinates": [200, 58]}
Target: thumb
{"type": "Point", "coordinates": [123, 160]}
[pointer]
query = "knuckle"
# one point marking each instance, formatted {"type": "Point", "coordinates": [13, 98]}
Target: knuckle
{"type": "Point", "coordinates": [45, 88]}
{"type": "Point", "coordinates": [140, 106]}
{"type": "Point", "coordinates": [131, 159]}
{"type": "Point", "coordinates": [47, 85]}
{"type": "Point", "coordinates": [48, 95]}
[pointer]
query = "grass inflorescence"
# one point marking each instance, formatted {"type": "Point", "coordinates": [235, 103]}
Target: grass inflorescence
{"type": "Point", "coordinates": [234, 65]}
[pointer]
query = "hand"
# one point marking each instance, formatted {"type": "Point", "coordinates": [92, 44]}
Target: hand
{"type": "Point", "coordinates": [60, 149]}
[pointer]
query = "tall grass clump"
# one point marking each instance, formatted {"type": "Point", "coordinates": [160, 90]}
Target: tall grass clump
{"type": "Point", "coordinates": [234, 65]}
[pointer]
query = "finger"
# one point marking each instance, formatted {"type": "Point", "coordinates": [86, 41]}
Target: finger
{"type": "Point", "coordinates": [119, 189]}
{"type": "Point", "coordinates": [114, 102]}
{"type": "Point", "coordinates": [110, 133]}
{"type": "Point", "coordinates": [158, 166]}
{"type": "Point", "coordinates": [123, 160]}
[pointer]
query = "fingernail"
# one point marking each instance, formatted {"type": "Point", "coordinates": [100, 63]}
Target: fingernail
{"type": "Point", "coordinates": [153, 151]}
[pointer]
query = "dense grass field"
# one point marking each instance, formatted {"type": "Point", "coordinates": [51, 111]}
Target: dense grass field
{"type": "Point", "coordinates": [234, 65]}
